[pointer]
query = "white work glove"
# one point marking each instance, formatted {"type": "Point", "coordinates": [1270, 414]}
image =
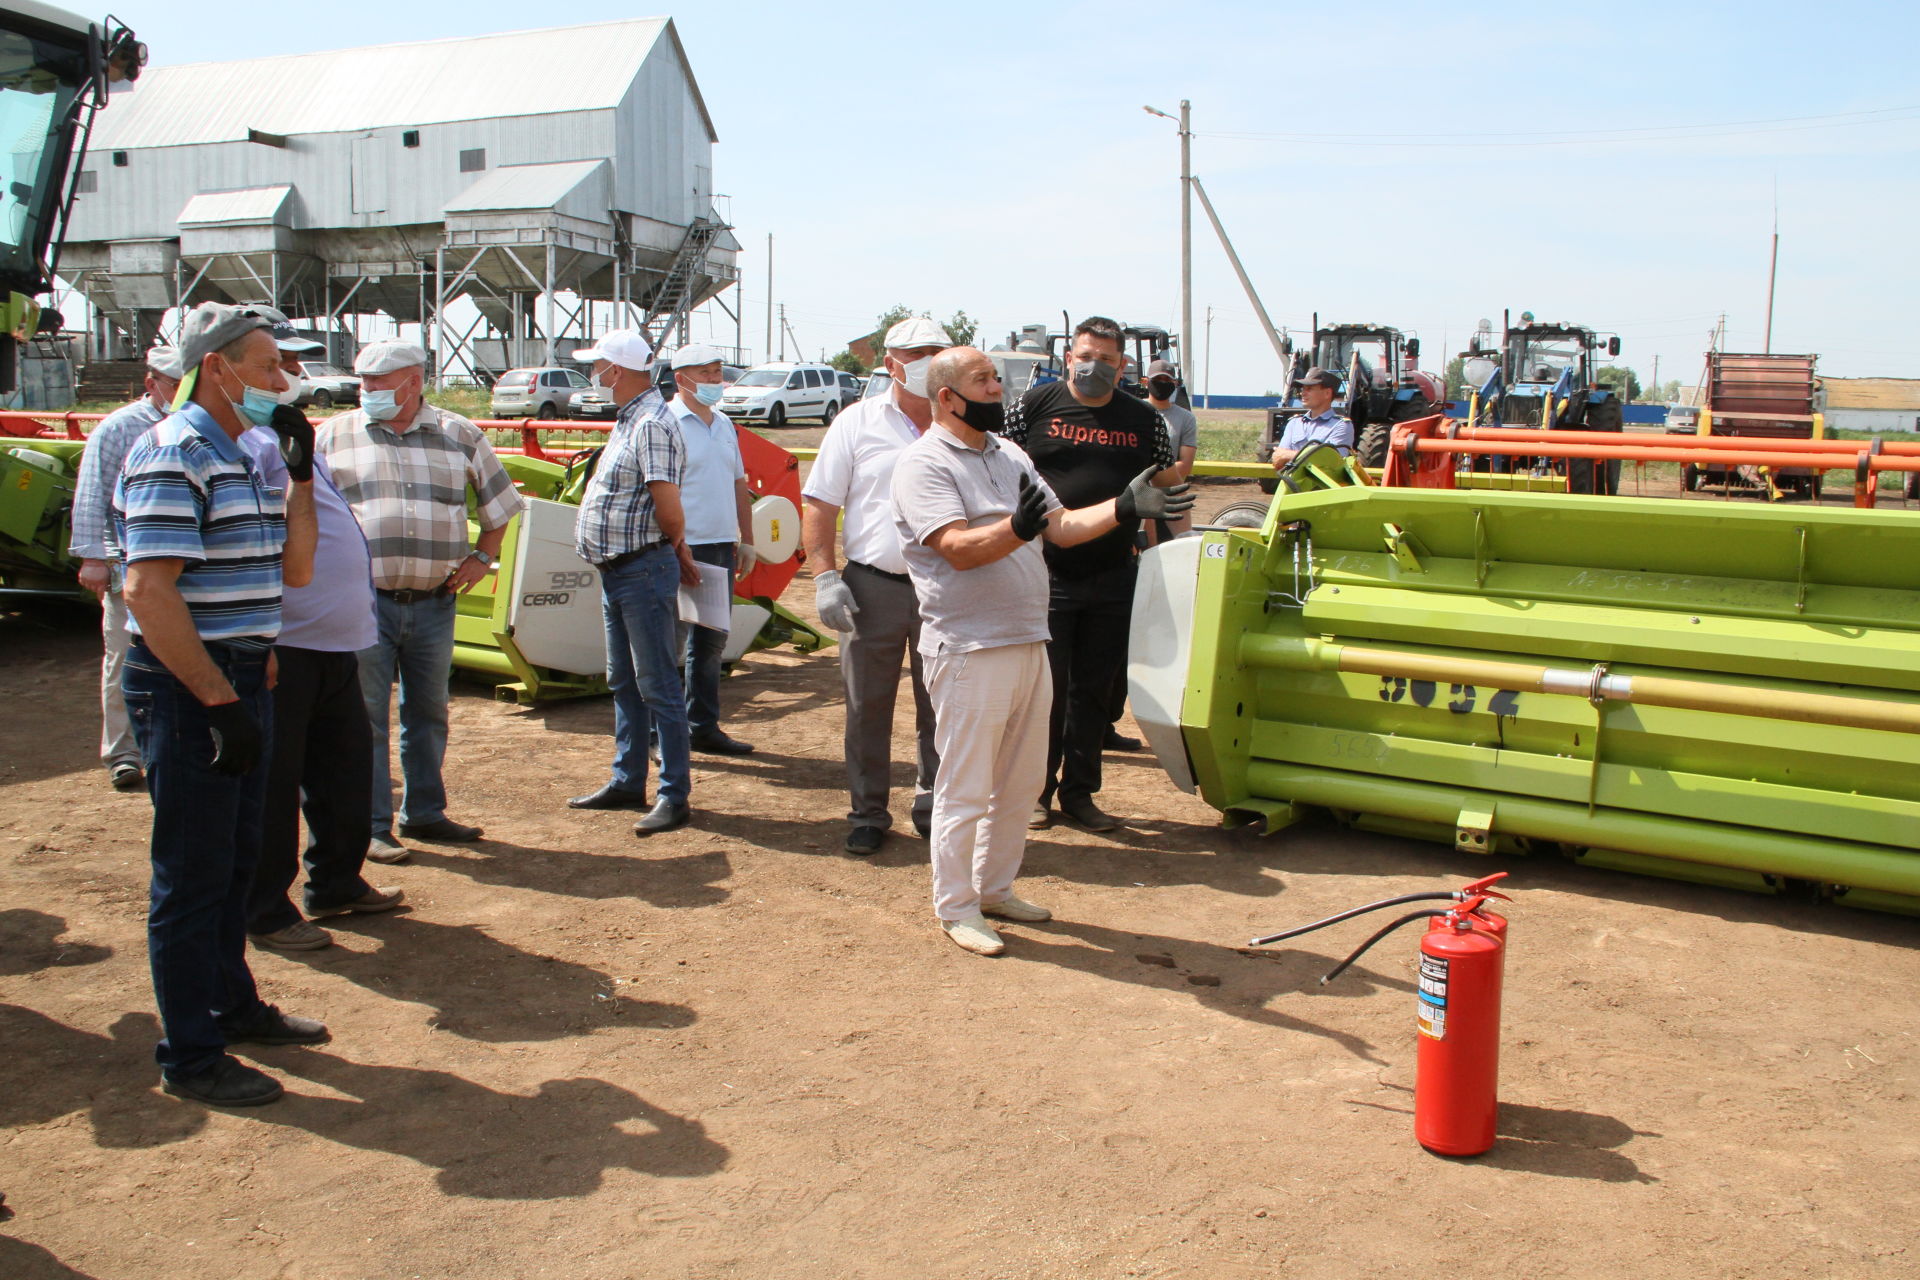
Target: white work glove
{"type": "Point", "coordinates": [834, 600]}
{"type": "Point", "coordinates": [744, 559]}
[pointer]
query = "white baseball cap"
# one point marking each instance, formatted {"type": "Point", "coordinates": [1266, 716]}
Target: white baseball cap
{"type": "Point", "coordinates": [627, 348]}
{"type": "Point", "coordinates": [916, 331]}
{"type": "Point", "coordinates": [165, 361]}
{"type": "Point", "coordinates": [695, 354]}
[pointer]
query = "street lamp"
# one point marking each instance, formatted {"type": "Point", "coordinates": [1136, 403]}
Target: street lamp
{"type": "Point", "coordinates": [1184, 120]}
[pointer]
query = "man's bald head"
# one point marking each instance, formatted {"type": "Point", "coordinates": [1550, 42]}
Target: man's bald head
{"type": "Point", "coordinates": [951, 367]}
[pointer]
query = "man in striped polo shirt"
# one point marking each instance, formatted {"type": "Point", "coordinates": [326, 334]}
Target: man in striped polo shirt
{"type": "Point", "coordinates": [207, 544]}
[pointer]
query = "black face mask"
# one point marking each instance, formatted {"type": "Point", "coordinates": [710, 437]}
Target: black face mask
{"type": "Point", "coordinates": [1162, 390]}
{"type": "Point", "coordinates": [982, 415]}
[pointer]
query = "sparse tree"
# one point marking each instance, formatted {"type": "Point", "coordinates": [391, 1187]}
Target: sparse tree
{"type": "Point", "coordinates": [962, 327]}
{"type": "Point", "coordinates": [1621, 380]}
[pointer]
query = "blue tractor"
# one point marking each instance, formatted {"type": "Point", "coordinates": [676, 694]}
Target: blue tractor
{"type": "Point", "coordinates": [1542, 376]}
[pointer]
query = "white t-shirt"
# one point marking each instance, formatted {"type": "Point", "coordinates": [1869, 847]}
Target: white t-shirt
{"type": "Point", "coordinates": [854, 471]}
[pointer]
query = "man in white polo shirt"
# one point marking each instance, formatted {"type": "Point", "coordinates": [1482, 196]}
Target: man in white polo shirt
{"type": "Point", "coordinates": [717, 504]}
{"type": "Point", "coordinates": [872, 604]}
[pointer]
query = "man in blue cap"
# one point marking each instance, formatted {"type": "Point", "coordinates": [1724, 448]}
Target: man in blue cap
{"type": "Point", "coordinates": [208, 544]}
{"type": "Point", "coordinates": [1320, 424]}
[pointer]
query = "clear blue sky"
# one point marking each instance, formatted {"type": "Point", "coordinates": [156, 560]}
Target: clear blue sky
{"type": "Point", "coordinates": [995, 157]}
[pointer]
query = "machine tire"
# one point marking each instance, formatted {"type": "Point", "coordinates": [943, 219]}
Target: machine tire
{"type": "Point", "coordinates": [322, 399]}
{"type": "Point", "coordinates": [828, 414]}
{"type": "Point", "coordinates": [1244, 514]}
{"type": "Point", "coordinates": [1689, 478]}
{"type": "Point", "coordinates": [777, 416]}
{"type": "Point", "coordinates": [1606, 415]}
{"type": "Point", "coordinates": [1374, 441]}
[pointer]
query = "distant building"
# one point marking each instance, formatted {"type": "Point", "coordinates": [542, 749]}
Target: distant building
{"type": "Point", "coordinates": [395, 179]}
{"type": "Point", "coordinates": [1872, 404]}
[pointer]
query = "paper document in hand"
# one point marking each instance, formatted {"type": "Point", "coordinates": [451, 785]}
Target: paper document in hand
{"type": "Point", "coordinates": [710, 604]}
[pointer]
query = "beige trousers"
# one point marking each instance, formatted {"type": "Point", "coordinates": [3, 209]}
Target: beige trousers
{"type": "Point", "coordinates": [990, 710]}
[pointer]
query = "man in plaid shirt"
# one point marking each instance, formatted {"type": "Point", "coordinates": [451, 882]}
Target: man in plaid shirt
{"type": "Point", "coordinates": [405, 468]}
{"type": "Point", "coordinates": [632, 528]}
{"type": "Point", "coordinates": [100, 466]}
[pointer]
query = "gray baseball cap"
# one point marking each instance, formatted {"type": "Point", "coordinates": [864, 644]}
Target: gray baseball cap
{"type": "Point", "coordinates": [211, 326]}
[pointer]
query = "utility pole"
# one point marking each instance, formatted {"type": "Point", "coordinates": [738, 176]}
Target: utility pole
{"type": "Point", "coordinates": [1206, 383]}
{"type": "Point", "coordinates": [1773, 264]}
{"type": "Point", "coordinates": [783, 332]}
{"type": "Point", "coordinates": [1253, 296]}
{"type": "Point", "coordinates": [1656, 373]}
{"type": "Point", "coordinates": [1185, 121]}
{"type": "Point", "coordinates": [769, 347]}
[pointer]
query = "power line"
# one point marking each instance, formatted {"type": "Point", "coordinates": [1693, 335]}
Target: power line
{"type": "Point", "coordinates": [1566, 137]}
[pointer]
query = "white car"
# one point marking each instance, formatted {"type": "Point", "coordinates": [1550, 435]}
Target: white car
{"type": "Point", "coordinates": [777, 392]}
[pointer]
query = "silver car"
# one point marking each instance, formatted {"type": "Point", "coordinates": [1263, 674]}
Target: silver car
{"type": "Point", "coordinates": [536, 393]}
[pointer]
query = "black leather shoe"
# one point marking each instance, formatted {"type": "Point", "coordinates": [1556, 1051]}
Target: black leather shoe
{"type": "Point", "coordinates": [1086, 815]}
{"type": "Point", "coordinates": [442, 829]}
{"type": "Point", "coordinates": [664, 816]}
{"type": "Point", "coordinates": [228, 1083]}
{"type": "Point", "coordinates": [267, 1025]}
{"type": "Point", "coordinates": [865, 840]}
{"type": "Point", "coordinates": [719, 744]}
{"type": "Point", "coordinates": [610, 797]}
{"type": "Point", "coordinates": [924, 826]}
{"type": "Point", "coordinates": [1117, 741]}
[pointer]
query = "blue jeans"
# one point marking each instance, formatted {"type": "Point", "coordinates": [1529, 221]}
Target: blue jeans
{"type": "Point", "coordinates": [206, 831]}
{"type": "Point", "coordinates": [704, 648]}
{"type": "Point", "coordinates": [639, 600]}
{"type": "Point", "coordinates": [415, 644]}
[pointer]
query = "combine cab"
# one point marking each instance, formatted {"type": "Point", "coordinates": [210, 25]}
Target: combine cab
{"type": "Point", "coordinates": [1381, 384]}
{"type": "Point", "coordinates": [1767, 397]}
{"type": "Point", "coordinates": [1544, 377]}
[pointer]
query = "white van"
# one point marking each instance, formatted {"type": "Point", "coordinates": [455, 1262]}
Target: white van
{"type": "Point", "coordinates": [782, 390]}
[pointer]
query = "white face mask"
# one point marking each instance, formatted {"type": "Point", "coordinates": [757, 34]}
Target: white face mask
{"type": "Point", "coordinates": [913, 376]}
{"type": "Point", "coordinates": [605, 380]}
{"type": "Point", "coordinates": [296, 387]}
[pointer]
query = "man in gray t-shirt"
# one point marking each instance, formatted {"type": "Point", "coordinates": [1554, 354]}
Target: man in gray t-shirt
{"type": "Point", "coordinates": [1183, 429]}
{"type": "Point", "coordinates": [969, 507]}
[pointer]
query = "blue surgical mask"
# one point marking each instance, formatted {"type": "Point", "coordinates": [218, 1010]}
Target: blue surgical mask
{"type": "Point", "coordinates": [254, 406]}
{"type": "Point", "coordinates": [708, 392]}
{"type": "Point", "coordinates": [380, 406]}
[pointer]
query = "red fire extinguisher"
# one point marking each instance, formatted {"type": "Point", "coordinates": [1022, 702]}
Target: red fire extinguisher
{"type": "Point", "coordinates": [1462, 962]}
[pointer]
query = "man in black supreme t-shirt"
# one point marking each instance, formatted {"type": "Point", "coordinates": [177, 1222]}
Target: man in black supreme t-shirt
{"type": "Point", "coordinates": [1088, 439]}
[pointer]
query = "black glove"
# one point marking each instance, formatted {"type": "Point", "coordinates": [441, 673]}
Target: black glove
{"type": "Point", "coordinates": [1029, 510]}
{"type": "Point", "coordinates": [1140, 498]}
{"type": "Point", "coordinates": [236, 738]}
{"type": "Point", "coordinates": [296, 441]}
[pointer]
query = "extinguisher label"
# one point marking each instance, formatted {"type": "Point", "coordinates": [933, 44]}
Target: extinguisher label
{"type": "Point", "coordinates": [1433, 996]}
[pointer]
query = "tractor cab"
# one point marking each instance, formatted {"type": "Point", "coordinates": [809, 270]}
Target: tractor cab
{"type": "Point", "coordinates": [1543, 376]}
{"type": "Point", "coordinates": [1381, 383]}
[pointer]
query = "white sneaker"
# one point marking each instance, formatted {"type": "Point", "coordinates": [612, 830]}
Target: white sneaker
{"type": "Point", "coordinates": [975, 935]}
{"type": "Point", "coordinates": [1016, 909]}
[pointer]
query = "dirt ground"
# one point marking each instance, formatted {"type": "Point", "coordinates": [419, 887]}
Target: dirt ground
{"type": "Point", "coordinates": [735, 1051]}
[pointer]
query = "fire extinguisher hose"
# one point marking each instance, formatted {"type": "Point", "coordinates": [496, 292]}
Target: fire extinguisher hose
{"type": "Point", "coordinates": [1443, 896]}
{"type": "Point", "coordinates": [1362, 949]}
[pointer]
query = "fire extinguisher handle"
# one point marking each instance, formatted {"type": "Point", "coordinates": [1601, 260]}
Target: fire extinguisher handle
{"type": "Point", "coordinates": [1364, 947]}
{"type": "Point", "coordinates": [1446, 896]}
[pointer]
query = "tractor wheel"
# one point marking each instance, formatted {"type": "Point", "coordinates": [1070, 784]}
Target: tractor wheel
{"type": "Point", "coordinates": [1375, 439]}
{"type": "Point", "coordinates": [777, 416]}
{"type": "Point", "coordinates": [1689, 478]}
{"type": "Point", "coordinates": [323, 399]}
{"type": "Point", "coordinates": [1606, 415]}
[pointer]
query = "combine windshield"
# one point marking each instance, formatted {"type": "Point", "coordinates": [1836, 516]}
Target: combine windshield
{"type": "Point", "coordinates": [38, 83]}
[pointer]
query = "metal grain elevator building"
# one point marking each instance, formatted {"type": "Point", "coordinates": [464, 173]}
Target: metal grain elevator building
{"type": "Point", "coordinates": [504, 169]}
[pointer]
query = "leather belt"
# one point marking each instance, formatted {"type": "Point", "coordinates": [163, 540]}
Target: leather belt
{"type": "Point", "coordinates": [879, 573]}
{"type": "Point", "coordinates": [405, 595]}
{"type": "Point", "coordinates": [627, 557]}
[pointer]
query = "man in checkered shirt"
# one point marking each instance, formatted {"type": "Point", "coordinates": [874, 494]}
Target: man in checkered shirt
{"type": "Point", "coordinates": [405, 468]}
{"type": "Point", "coordinates": [633, 529]}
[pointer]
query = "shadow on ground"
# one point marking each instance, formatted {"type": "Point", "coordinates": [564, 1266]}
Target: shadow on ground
{"type": "Point", "coordinates": [557, 1142]}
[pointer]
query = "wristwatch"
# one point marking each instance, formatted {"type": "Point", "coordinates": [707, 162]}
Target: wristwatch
{"type": "Point", "coordinates": [483, 558]}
